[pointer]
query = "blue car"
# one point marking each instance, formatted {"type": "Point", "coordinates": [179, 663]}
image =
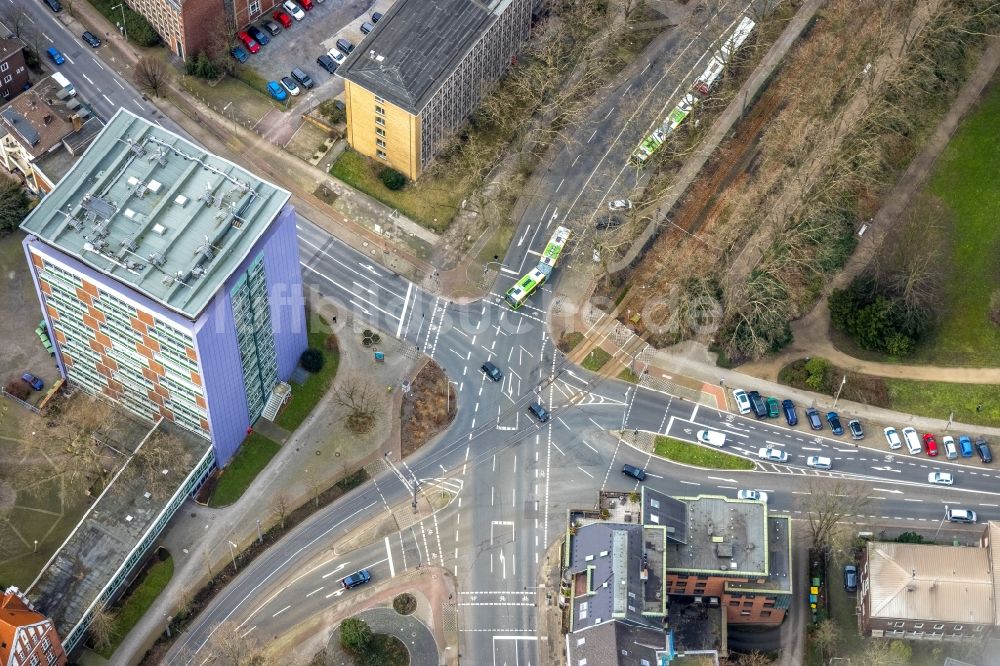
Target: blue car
{"type": "Point", "coordinates": [355, 579]}
{"type": "Point", "coordinates": [33, 381]}
{"type": "Point", "coordinates": [277, 92]}
{"type": "Point", "coordinates": [965, 446]}
{"type": "Point", "coordinates": [55, 56]}
{"type": "Point", "coordinates": [834, 420]}
{"type": "Point", "coordinates": [239, 54]}
{"type": "Point", "coordinates": [258, 34]}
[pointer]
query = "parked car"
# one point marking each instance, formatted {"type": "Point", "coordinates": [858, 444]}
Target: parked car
{"type": "Point", "coordinates": [930, 444]}
{"type": "Point", "coordinates": [539, 412]}
{"type": "Point", "coordinates": [712, 437]}
{"type": "Point", "coordinates": [55, 56]}
{"type": "Point", "coordinates": [345, 46]}
{"type": "Point", "coordinates": [772, 454]}
{"type": "Point", "coordinates": [259, 35]}
{"type": "Point", "coordinates": [248, 41]}
{"type": "Point", "coordinates": [239, 54]}
{"type": "Point", "coordinates": [912, 441]}
{"type": "Point", "coordinates": [89, 37]}
{"type": "Point", "coordinates": [851, 578]}
{"type": "Point", "coordinates": [288, 84]}
{"type": "Point", "coordinates": [620, 204]}
{"type": "Point", "coordinates": [337, 56]}
{"type": "Point", "coordinates": [752, 495]}
{"type": "Point", "coordinates": [819, 462]}
{"type": "Point", "coordinates": [272, 28]}
{"type": "Point", "coordinates": [277, 92]}
{"type": "Point", "coordinates": [965, 446]}
{"type": "Point", "coordinates": [284, 19]}
{"type": "Point", "coordinates": [892, 437]}
{"type": "Point", "coordinates": [306, 5]}
{"type": "Point", "coordinates": [32, 381]}
{"type": "Point", "coordinates": [327, 63]}
{"type": "Point", "coordinates": [758, 405]}
{"type": "Point", "coordinates": [983, 449]}
{"type": "Point", "coordinates": [608, 222]}
{"type": "Point", "coordinates": [376, 17]}
{"type": "Point", "coordinates": [857, 432]}
{"type": "Point", "coordinates": [742, 401]}
{"type": "Point", "coordinates": [302, 78]}
{"type": "Point", "coordinates": [960, 515]}
{"type": "Point", "coordinates": [773, 408]}
{"type": "Point", "coordinates": [294, 10]}
{"type": "Point", "coordinates": [950, 450]}
{"type": "Point", "coordinates": [788, 407]}
{"type": "Point", "coordinates": [834, 420]}
{"type": "Point", "coordinates": [54, 5]}
{"type": "Point", "coordinates": [492, 371]}
{"type": "Point", "coordinates": [812, 415]}
{"type": "Point", "coordinates": [635, 472]}
{"type": "Point", "coordinates": [367, 27]}
{"type": "Point", "coordinates": [941, 478]}
{"type": "Point", "coordinates": [355, 579]}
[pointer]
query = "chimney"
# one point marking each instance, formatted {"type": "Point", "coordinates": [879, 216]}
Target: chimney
{"type": "Point", "coordinates": [77, 122]}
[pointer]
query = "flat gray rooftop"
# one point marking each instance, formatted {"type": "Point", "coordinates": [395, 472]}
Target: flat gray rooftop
{"type": "Point", "coordinates": [157, 213]}
{"type": "Point", "coordinates": [724, 536]}
{"type": "Point", "coordinates": [416, 46]}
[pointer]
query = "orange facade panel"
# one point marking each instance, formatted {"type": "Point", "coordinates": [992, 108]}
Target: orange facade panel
{"type": "Point", "coordinates": [91, 323]}
{"type": "Point", "coordinates": [36, 259]}
{"type": "Point", "coordinates": [144, 350]}
{"type": "Point", "coordinates": [201, 402]}
{"type": "Point", "coordinates": [90, 288]}
{"type": "Point", "coordinates": [97, 346]}
{"type": "Point", "coordinates": [60, 338]}
{"type": "Point", "coordinates": [96, 314]}
{"type": "Point", "coordinates": [150, 375]}
{"type": "Point", "coordinates": [151, 343]}
{"type": "Point", "coordinates": [146, 318]}
{"type": "Point", "coordinates": [190, 354]}
{"type": "Point", "coordinates": [52, 312]}
{"type": "Point", "coordinates": [157, 368]}
{"type": "Point", "coordinates": [103, 339]}
{"type": "Point", "coordinates": [84, 296]}
{"type": "Point", "coordinates": [44, 286]}
{"type": "Point", "coordinates": [196, 378]}
{"type": "Point", "coordinates": [204, 425]}
{"type": "Point", "coordinates": [138, 325]}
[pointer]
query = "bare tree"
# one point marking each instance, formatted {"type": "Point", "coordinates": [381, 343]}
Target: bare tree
{"type": "Point", "coordinates": [362, 401]}
{"type": "Point", "coordinates": [280, 508]}
{"type": "Point", "coordinates": [151, 75]}
{"type": "Point", "coordinates": [16, 19]}
{"type": "Point", "coordinates": [825, 636]}
{"type": "Point", "coordinates": [754, 658]}
{"type": "Point", "coordinates": [103, 627]}
{"type": "Point", "coordinates": [232, 646]}
{"type": "Point", "coordinates": [829, 501]}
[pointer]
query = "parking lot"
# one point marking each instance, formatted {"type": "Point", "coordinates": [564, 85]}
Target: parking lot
{"type": "Point", "coordinates": [300, 45]}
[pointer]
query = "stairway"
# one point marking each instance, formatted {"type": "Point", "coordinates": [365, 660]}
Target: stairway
{"type": "Point", "coordinates": [279, 395]}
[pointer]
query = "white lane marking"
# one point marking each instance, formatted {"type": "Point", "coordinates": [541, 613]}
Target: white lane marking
{"type": "Point", "coordinates": [88, 79]}
{"type": "Point", "coordinates": [107, 98]}
{"type": "Point", "coordinates": [119, 84]}
{"type": "Point", "coordinates": [321, 587]}
{"type": "Point", "coordinates": [281, 611]}
{"type": "Point", "coordinates": [406, 303]}
{"type": "Point", "coordinates": [388, 554]}
{"type": "Point", "coordinates": [585, 471]}
{"type": "Point", "coordinates": [346, 290]}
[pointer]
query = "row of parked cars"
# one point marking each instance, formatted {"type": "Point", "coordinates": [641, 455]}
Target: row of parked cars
{"type": "Point", "coordinates": [762, 408]}
{"type": "Point", "coordinates": [965, 446]}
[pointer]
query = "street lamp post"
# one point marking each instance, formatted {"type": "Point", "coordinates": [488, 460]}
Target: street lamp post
{"type": "Point", "coordinates": [941, 524]}
{"type": "Point", "coordinates": [839, 389]}
{"type": "Point", "coordinates": [124, 30]}
{"type": "Point", "coordinates": [232, 551]}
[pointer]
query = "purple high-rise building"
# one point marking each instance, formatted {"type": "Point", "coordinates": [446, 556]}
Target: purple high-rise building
{"type": "Point", "coordinates": [169, 279]}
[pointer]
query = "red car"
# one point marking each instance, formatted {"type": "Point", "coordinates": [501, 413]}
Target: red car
{"type": "Point", "coordinates": [284, 19]}
{"type": "Point", "coordinates": [248, 41]}
{"type": "Point", "coordinates": [931, 444]}
{"type": "Point", "coordinates": [305, 4]}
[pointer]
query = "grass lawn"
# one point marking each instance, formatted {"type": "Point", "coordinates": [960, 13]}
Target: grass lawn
{"type": "Point", "coordinates": [569, 341]}
{"type": "Point", "coordinates": [596, 359]}
{"type": "Point", "coordinates": [432, 203]}
{"type": "Point", "coordinates": [308, 395]}
{"type": "Point", "coordinates": [965, 179]}
{"type": "Point", "coordinates": [252, 457]}
{"type": "Point", "coordinates": [693, 454]}
{"type": "Point", "coordinates": [939, 399]}
{"type": "Point", "coordinates": [628, 376]}
{"type": "Point", "coordinates": [139, 600]}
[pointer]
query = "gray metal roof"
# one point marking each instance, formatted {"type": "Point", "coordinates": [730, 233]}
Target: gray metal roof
{"type": "Point", "coordinates": [723, 535]}
{"type": "Point", "coordinates": [416, 45]}
{"type": "Point", "coordinates": [157, 213]}
{"type": "Point", "coordinates": [660, 509]}
{"type": "Point", "coordinates": [614, 553]}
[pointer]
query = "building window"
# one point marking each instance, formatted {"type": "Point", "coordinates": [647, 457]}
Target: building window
{"type": "Point", "coordinates": [918, 625]}
{"type": "Point", "coordinates": [4, 66]}
{"type": "Point", "coordinates": [747, 604]}
{"type": "Point", "coordinates": [8, 78]}
{"type": "Point", "coordinates": [379, 131]}
{"type": "Point", "coordinates": [734, 603]}
{"type": "Point", "coordinates": [380, 143]}
{"type": "Point", "coordinates": [765, 613]}
{"type": "Point", "coordinates": [898, 625]}
{"type": "Point", "coordinates": [744, 613]}
{"type": "Point", "coordinates": [379, 99]}
{"type": "Point", "coordinates": [379, 110]}
{"type": "Point", "coordinates": [380, 154]}
{"type": "Point", "coordinates": [380, 121]}
{"type": "Point", "coordinates": [939, 626]}
{"type": "Point", "coordinates": [958, 627]}
{"type": "Point", "coordinates": [254, 7]}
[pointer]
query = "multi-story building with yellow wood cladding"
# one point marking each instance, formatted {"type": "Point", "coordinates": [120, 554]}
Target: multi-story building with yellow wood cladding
{"type": "Point", "coordinates": [424, 68]}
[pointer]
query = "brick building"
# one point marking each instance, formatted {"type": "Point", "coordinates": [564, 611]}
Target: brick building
{"type": "Point", "coordinates": [170, 279]}
{"type": "Point", "coordinates": [416, 78]}
{"type": "Point", "coordinates": [13, 68]}
{"type": "Point", "coordinates": [27, 638]}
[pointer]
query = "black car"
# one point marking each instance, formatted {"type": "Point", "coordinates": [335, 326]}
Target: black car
{"type": "Point", "coordinates": [815, 422]}
{"type": "Point", "coordinates": [788, 407]}
{"type": "Point", "coordinates": [635, 472]}
{"type": "Point", "coordinates": [303, 78]}
{"type": "Point", "coordinates": [757, 404]}
{"type": "Point", "coordinates": [539, 411]}
{"type": "Point", "coordinates": [258, 34]}
{"type": "Point", "coordinates": [851, 578]}
{"type": "Point", "coordinates": [90, 39]}
{"type": "Point", "coordinates": [983, 449]}
{"type": "Point", "coordinates": [366, 27]}
{"type": "Point", "coordinates": [857, 432]}
{"type": "Point", "coordinates": [834, 420]}
{"type": "Point", "coordinates": [609, 222]}
{"type": "Point", "coordinates": [327, 63]}
{"type": "Point", "coordinates": [54, 5]}
{"type": "Point", "coordinates": [272, 27]}
{"type": "Point", "coordinates": [492, 371]}
{"type": "Point", "coordinates": [376, 17]}
{"type": "Point", "coordinates": [345, 46]}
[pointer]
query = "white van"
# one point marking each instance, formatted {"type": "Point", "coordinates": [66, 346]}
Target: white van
{"type": "Point", "coordinates": [712, 437]}
{"type": "Point", "coordinates": [64, 84]}
{"type": "Point", "coordinates": [912, 441]}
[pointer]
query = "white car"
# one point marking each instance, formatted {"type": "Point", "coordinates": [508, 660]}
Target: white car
{"type": "Point", "coordinates": [742, 401]}
{"type": "Point", "coordinates": [294, 10]}
{"type": "Point", "coordinates": [892, 437]}
{"type": "Point", "coordinates": [772, 454]}
{"type": "Point", "coordinates": [941, 478]}
{"type": "Point", "coordinates": [950, 450]}
{"type": "Point", "coordinates": [712, 437]}
{"type": "Point", "coordinates": [752, 495]}
{"type": "Point", "coordinates": [912, 441]}
{"type": "Point", "coordinates": [288, 84]}
{"type": "Point", "coordinates": [337, 56]}
{"type": "Point", "coordinates": [819, 462]}
{"type": "Point", "coordinates": [620, 204]}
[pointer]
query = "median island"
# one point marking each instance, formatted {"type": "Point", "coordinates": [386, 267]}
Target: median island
{"type": "Point", "coordinates": [700, 456]}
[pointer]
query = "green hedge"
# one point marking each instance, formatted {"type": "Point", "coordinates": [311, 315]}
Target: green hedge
{"type": "Point", "coordinates": [138, 28]}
